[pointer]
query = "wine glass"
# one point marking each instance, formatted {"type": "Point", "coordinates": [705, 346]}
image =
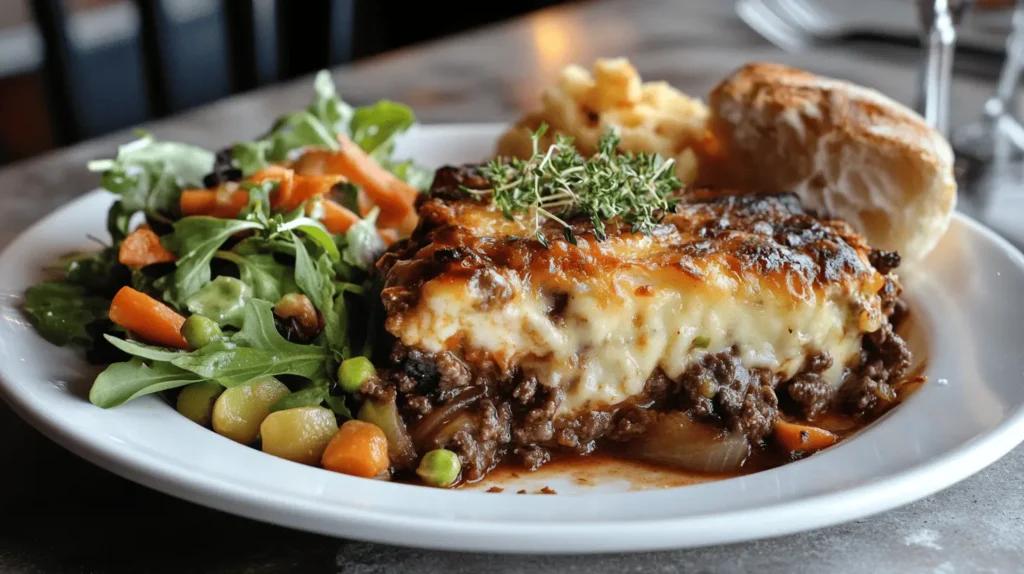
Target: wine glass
{"type": "Point", "coordinates": [938, 23]}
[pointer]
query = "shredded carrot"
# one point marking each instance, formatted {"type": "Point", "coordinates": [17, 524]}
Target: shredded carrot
{"type": "Point", "coordinates": [304, 188]}
{"type": "Point", "coordinates": [142, 247]}
{"type": "Point", "coordinates": [148, 318]}
{"type": "Point", "coordinates": [359, 449]}
{"type": "Point", "coordinates": [337, 218]}
{"type": "Point", "coordinates": [394, 197]}
{"type": "Point", "coordinates": [795, 437]}
{"type": "Point", "coordinates": [213, 202]}
{"type": "Point", "coordinates": [283, 176]}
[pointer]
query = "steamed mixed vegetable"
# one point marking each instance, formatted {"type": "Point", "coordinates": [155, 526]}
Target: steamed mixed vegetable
{"type": "Point", "coordinates": [239, 280]}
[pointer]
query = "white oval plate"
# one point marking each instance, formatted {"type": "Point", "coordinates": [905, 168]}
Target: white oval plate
{"type": "Point", "coordinates": [966, 298]}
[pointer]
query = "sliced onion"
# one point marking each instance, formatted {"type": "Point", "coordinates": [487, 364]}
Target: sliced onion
{"type": "Point", "coordinates": [677, 441]}
{"type": "Point", "coordinates": [424, 431]}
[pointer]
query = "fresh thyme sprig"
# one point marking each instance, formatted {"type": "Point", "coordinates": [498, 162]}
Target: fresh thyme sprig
{"type": "Point", "coordinates": [559, 184]}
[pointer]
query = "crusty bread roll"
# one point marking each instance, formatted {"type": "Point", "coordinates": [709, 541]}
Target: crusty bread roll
{"type": "Point", "coordinates": [847, 151]}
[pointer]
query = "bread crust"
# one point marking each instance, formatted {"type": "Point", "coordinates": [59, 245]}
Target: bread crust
{"type": "Point", "coordinates": [845, 150]}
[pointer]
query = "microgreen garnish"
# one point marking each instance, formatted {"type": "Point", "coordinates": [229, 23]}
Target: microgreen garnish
{"type": "Point", "coordinates": [559, 184]}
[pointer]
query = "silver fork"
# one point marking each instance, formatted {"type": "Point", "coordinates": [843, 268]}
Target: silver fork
{"type": "Point", "coordinates": [774, 28]}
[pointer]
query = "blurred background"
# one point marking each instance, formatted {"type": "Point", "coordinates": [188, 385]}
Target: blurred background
{"type": "Point", "coordinates": [72, 70]}
{"type": "Point", "coordinates": [75, 69]}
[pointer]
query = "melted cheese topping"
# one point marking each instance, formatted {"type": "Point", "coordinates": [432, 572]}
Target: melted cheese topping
{"type": "Point", "coordinates": [599, 318]}
{"type": "Point", "coordinates": [606, 343]}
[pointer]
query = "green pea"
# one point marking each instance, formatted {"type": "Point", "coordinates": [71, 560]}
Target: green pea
{"type": "Point", "coordinates": [200, 331]}
{"type": "Point", "coordinates": [440, 467]}
{"type": "Point", "coordinates": [195, 401]}
{"type": "Point", "coordinates": [352, 373]}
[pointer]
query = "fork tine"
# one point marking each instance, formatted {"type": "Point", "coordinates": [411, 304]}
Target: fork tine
{"type": "Point", "coordinates": [769, 25]}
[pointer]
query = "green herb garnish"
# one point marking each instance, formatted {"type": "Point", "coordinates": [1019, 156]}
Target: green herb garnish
{"type": "Point", "coordinates": [560, 184]}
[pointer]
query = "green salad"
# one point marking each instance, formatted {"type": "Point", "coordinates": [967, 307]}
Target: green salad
{"type": "Point", "coordinates": [239, 281]}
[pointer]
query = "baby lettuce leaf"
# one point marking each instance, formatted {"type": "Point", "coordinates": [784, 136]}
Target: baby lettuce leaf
{"type": "Point", "coordinates": [269, 279]}
{"type": "Point", "coordinates": [419, 177]}
{"type": "Point", "coordinates": [195, 240]}
{"type": "Point", "coordinates": [64, 312]}
{"type": "Point", "coordinates": [363, 244]}
{"type": "Point", "coordinates": [149, 174]}
{"type": "Point", "coordinates": [327, 106]}
{"type": "Point", "coordinates": [122, 382]}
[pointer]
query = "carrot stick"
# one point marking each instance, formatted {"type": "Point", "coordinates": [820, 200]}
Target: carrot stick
{"type": "Point", "coordinates": [394, 197]}
{"type": "Point", "coordinates": [303, 188]}
{"type": "Point", "coordinates": [213, 202]}
{"type": "Point", "coordinates": [796, 437]}
{"type": "Point", "coordinates": [359, 449]}
{"type": "Point", "coordinates": [141, 248]}
{"type": "Point", "coordinates": [148, 318]}
{"type": "Point", "coordinates": [337, 218]}
{"type": "Point", "coordinates": [284, 178]}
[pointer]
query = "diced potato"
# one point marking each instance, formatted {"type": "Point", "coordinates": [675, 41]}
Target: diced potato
{"type": "Point", "coordinates": [301, 434]}
{"type": "Point", "coordinates": [240, 410]}
{"type": "Point", "coordinates": [196, 401]}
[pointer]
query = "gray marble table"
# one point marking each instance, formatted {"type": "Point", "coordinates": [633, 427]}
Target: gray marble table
{"type": "Point", "coordinates": [61, 514]}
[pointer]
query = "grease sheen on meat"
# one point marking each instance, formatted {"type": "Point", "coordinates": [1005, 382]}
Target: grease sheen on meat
{"type": "Point", "coordinates": [751, 275]}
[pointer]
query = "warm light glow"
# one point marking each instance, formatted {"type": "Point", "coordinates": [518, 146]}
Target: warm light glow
{"type": "Point", "coordinates": [552, 40]}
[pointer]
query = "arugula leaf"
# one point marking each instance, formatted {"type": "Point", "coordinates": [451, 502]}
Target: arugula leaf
{"type": "Point", "coordinates": [310, 396]}
{"type": "Point", "coordinates": [322, 238]}
{"type": "Point", "coordinates": [232, 365]}
{"type": "Point", "coordinates": [149, 175]}
{"type": "Point", "coordinates": [63, 312]}
{"type": "Point", "coordinates": [374, 128]}
{"type": "Point", "coordinates": [337, 404]}
{"type": "Point", "coordinates": [100, 272]}
{"type": "Point", "coordinates": [122, 382]}
{"type": "Point", "coordinates": [315, 279]}
{"type": "Point", "coordinates": [257, 350]}
{"type": "Point", "coordinates": [269, 279]}
{"type": "Point", "coordinates": [195, 240]}
{"type": "Point", "coordinates": [144, 351]}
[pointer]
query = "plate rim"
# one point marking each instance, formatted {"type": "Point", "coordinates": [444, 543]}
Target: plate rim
{"type": "Point", "coordinates": [438, 532]}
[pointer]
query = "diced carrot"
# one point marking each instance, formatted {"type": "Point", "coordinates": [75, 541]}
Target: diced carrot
{"type": "Point", "coordinates": [213, 202]}
{"type": "Point", "coordinates": [388, 235]}
{"type": "Point", "coordinates": [142, 247]}
{"type": "Point", "coordinates": [337, 218]}
{"type": "Point", "coordinates": [150, 319]}
{"type": "Point", "coordinates": [795, 437]}
{"type": "Point", "coordinates": [359, 449]}
{"type": "Point", "coordinates": [394, 197]}
{"type": "Point", "coordinates": [303, 188]}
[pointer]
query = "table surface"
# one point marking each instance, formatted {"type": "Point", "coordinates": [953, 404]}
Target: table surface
{"type": "Point", "coordinates": [58, 513]}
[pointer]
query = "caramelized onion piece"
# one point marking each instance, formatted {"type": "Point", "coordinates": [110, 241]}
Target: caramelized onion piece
{"type": "Point", "coordinates": [428, 432]}
{"type": "Point", "coordinates": [678, 441]}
